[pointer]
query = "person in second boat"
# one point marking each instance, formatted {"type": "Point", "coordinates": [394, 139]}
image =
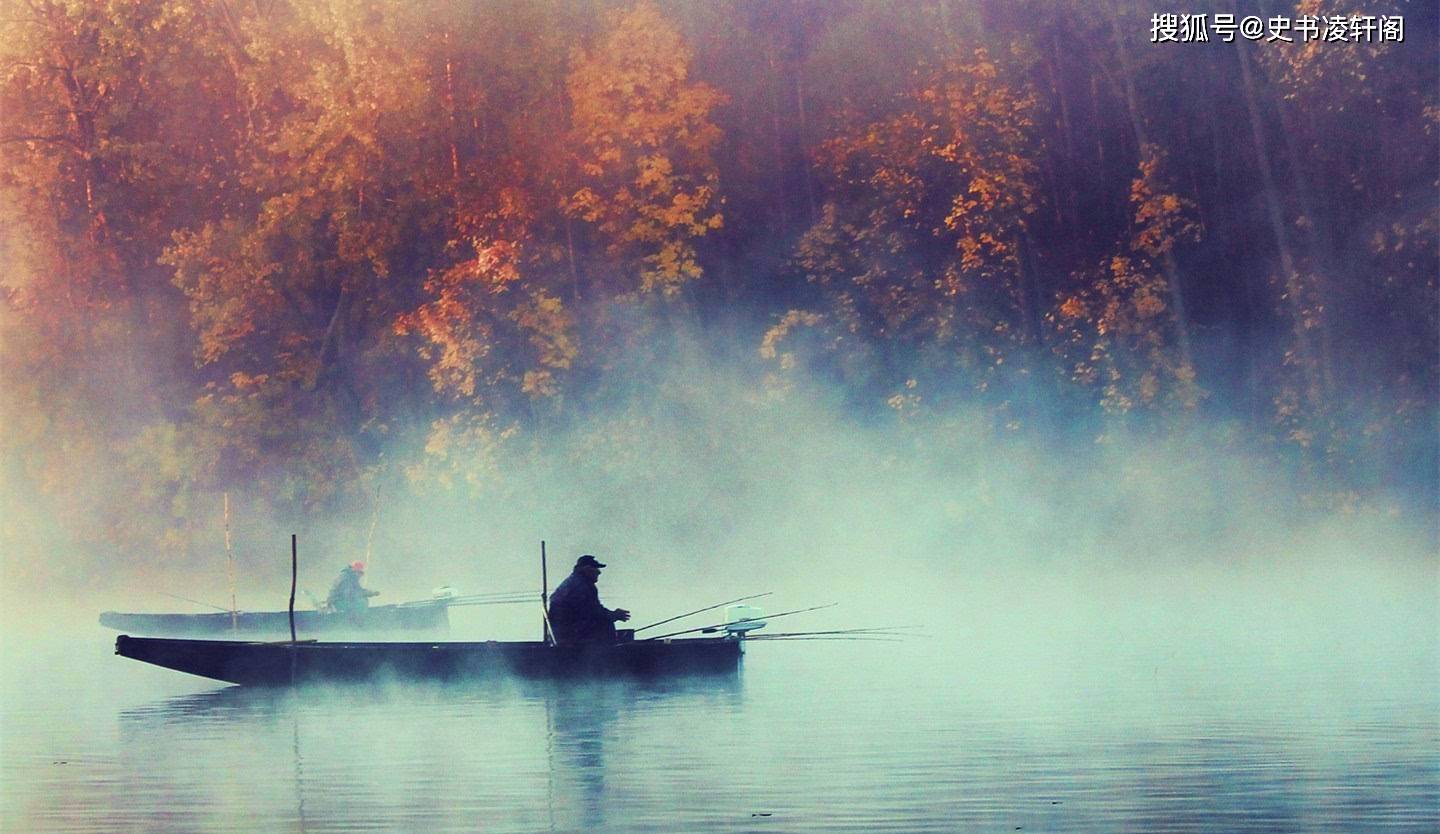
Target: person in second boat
{"type": "Point", "coordinates": [576, 615]}
{"type": "Point", "coordinates": [347, 594]}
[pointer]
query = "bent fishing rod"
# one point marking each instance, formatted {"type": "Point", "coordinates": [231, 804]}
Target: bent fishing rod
{"type": "Point", "coordinates": [702, 610]}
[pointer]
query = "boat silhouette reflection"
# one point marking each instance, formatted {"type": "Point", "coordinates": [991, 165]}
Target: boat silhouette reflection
{"type": "Point", "coordinates": [495, 755]}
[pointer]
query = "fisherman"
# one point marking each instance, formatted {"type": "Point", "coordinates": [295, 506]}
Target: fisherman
{"type": "Point", "coordinates": [347, 594]}
{"type": "Point", "coordinates": [576, 615]}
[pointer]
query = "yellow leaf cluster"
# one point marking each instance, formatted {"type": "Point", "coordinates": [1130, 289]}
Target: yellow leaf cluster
{"type": "Point", "coordinates": [644, 141]}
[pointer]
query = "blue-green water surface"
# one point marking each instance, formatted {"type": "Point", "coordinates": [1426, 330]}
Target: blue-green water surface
{"type": "Point", "coordinates": [1100, 726]}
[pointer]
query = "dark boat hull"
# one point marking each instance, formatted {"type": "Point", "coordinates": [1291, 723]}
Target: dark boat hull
{"type": "Point", "coordinates": [426, 617]}
{"type": "Point", "coordinates": [281, 664]}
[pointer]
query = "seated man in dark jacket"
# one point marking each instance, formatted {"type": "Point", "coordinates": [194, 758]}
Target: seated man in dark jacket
{"type": "Point", "coordinates": [347, 594]}
{"type": "Point", "coordinates": [576, 615]}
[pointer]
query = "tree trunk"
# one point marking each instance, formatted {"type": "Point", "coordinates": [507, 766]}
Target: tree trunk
{"type": "Point", "coordinates": [1067, 131]}
{"type": "Point", "coordinates": [1322, 250]}
{"type": "Point", "coordinates": [801, 139]}
{"type": "Point", "coordinates": [450, 113]}
{"type": "Point", "coordinates": [1137, 123]}
{"type": "Point", "coordinates": [1294, 287]}
{"type": "Point", "coordinates": [570, 259]}
{"type": "Point", "coordinates": [777, 149]}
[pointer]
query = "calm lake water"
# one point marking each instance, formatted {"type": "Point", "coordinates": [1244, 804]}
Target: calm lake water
{"type": "Point", "coordinates": [1223, 730]}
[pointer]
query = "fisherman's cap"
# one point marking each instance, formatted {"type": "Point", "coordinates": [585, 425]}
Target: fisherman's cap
{"type": "Point", "coordinates": [590, 561]}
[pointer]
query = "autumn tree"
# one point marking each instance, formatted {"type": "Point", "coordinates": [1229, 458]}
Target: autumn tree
{"type": "Point", "coordinates": [321, 248]}
{"type": "Point", "coordinates": [1116, 327]}
{"type": "Point", "coordinates": [1354, 252]}
{"type": "Point", "coordinates": [495, 326]}
{"type": "Point", "coordinates": [395, 283]}
{"type": "Point", "coordinates": [643, 136]}
{"type": "Point", "coordinates": [292, 296]}
{"type": "Point", "coordinates": [920, 246]}
{"type": "Point", "coordinates": [115, 114]}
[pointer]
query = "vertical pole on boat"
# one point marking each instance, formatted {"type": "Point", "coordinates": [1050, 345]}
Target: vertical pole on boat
{"type": "Point", "coordinates": [230, 564]}
{"type": "Point", "coordinates": [294, 562]}
{"type": "Point", "coordinates": [544, 597]}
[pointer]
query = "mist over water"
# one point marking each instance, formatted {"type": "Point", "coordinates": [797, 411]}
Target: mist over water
{"type": "Point", "coordinates": [1148, 636]}
{"type": "Point", "coordinates": [1104, 369]}
{"type": "Point", "coordinates": [1042, 711]}
{"type": "Point", "coordinates": [692, 486]}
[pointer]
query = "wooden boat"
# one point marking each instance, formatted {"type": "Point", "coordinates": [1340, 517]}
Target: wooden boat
{"type": "Point", "coordinates": [426, 616]}
{"type": "Point", "coordinates": [278, 664]}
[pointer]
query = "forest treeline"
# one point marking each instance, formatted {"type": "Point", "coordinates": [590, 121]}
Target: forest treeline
{"type": "Point", "coordinates": [305, 248]}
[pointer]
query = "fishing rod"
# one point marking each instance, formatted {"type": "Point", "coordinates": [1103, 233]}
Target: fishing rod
{"type": "Point", "coordinates": [508, 601]}
{"type": "Point", "coordinates": [840, 638]}
{"type": "Point", "coordinates": [886, 631]}
{"type": "Point", "coordinates": [473, 599]}
{"type": "Point", "coordinates": [703, 610]}
{"type": "Point", "coordinates": [718, 626]}
{"type": "Point", "coordinates": [495, 595]}
{"type": "Point", "coordinates": [483, 597]}
{"type": "Point", "coordinates": [197, 602]}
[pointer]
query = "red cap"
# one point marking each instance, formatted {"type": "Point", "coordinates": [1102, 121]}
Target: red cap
{"type": "Point", "coordinates": [360, 566]}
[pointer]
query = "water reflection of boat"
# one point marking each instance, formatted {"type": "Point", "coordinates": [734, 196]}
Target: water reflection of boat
{"type": "Point", "coordinates": [216, 705]}
{"type": "Point", "coordinates": [563, 750]}
{"type": "Point", "coordinates": [239, 704]}
{"type": "Point", "coordinates": [276, 664]}
{"type": "Point", "coordinates": [429, 616]}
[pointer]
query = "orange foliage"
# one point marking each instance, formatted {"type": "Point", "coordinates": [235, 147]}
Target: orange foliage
{"type": "Point", "coordinates": [643, 140]}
